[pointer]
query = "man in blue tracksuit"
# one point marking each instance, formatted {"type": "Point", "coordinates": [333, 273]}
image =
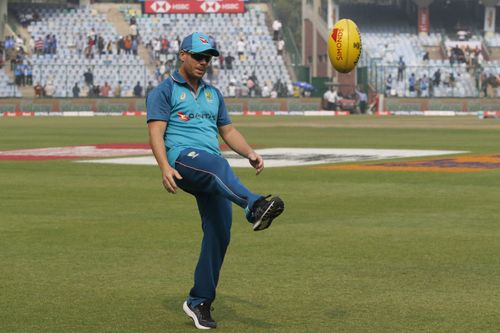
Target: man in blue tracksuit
{"type": "Point", "coordinates": [185, 116]}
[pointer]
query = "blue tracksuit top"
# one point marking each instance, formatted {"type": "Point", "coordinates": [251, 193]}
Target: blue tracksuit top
{"type": "Point", "coordinates": [193, 119]}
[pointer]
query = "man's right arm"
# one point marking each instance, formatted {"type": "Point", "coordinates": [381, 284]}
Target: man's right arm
{"type": "Point", "coordinates": [156, 131]}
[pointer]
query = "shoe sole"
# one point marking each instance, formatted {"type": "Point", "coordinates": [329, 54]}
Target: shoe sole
{"type": "Point", "coordinates": [273, 211]}
{"type": "Point", "coordinates": [193, 317]}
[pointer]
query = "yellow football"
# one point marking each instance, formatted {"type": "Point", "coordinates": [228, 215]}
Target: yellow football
{"type": "Point", "coordinates": [344, 45]}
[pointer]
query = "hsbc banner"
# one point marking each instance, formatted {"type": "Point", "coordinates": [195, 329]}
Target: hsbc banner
{"type": "Point", "coordinates": [193, 6]}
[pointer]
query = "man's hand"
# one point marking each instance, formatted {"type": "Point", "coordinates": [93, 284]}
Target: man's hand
{"type": "Point", "coordinates": [168, 177]}
{"type": "Point", "coordinates": [256, 161]}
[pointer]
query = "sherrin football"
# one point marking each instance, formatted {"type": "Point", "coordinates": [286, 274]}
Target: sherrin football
{"type": "Point", "coordinates": [344, 46]}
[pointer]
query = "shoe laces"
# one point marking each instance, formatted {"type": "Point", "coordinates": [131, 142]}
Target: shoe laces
{"type": "Point", "coordinates": [205, 309]}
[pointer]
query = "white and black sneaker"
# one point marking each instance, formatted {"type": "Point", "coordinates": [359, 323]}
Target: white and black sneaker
{"type": "Point", "coordinates": [265, 211]}
{"type": "Point", "coordinates": [200, 315]}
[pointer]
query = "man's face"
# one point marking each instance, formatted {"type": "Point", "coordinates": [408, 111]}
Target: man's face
{"type": "Point", "coordinates": [195, 64]}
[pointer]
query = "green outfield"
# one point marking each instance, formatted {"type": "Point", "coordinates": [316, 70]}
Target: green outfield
{"type": "Point", "coordinates": [104, 248]}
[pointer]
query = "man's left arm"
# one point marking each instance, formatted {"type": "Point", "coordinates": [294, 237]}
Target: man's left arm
{"type": "Point", "coordinates": [237, 142]}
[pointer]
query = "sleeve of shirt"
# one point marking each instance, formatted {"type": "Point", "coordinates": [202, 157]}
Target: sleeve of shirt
{"type": "Point", "coordinates": [158, 104]}
{"type": "Point", "coordinates": [223, 116]}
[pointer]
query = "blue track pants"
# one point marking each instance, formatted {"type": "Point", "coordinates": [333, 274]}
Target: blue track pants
{"type": "Point", "coordinates": [213, 183]}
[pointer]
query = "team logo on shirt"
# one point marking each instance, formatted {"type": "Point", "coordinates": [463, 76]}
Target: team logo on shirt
{"type": "Point", "coordinates": [183, 117]}
{"type": "Point", "coordinates": [209, 96]}
{"type": "Point", "coordinates": [182, 96]}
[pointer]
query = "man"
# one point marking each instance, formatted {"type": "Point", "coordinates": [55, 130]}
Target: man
{"type": "Point", "coordinates": [76, 90]}
{"type": "Point", "coordinates": [331, 98]}
{"type": "Point", "coordinates": [138, 89]}
{"type": "Point", "coordinates": [184, 116]}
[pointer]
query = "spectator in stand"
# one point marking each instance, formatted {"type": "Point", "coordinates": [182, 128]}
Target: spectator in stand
{"type": "Point", "coordinates": [76, 90]}
{"type": "Point", "coordinates": [229, 61]}
{"type": "Point", "coordinates": [49, 89]}
{"type": "Point", "coordinates": [39, 46]}
{"type": "Point", "coordinates": [254, 48]}
{"type": "Point", "coordinates": [156, 48]}
{"type": "Point", "coordinates": [231, 90]}
{"type": "Point", "coordinates": [31, 45]}
{"type": "Point", "coordinates": [281, 46]}
{"type": "Point", "coordinates": [134, 31]}
{"type": "Point", "coordinates": [89, 77]}
{"type": "Point", "coordinates": [117, 92]}
{"type": "Point", "coordinates": [426, 56]}
{"type": "Point", "coordinates": [105, 89]}
{"type": "Point", "coordinates": [437, 78]}
{"type": "Point", "coordinates": [120, 45]}
{"type": "Point", "coordinates": [47, 45]}
{"type": "Point", "coordinates": [127, 44]}
{"type": "Point", "coordinates": [388, 85]}
{"type": "Point", "coordinates": [19, 73]}
{"type": "Point", "coordinates": [424, 86]}
{"type": "Point", "coordinates": [109, 47]}
{"type": "Point", "coordinates": [240, 47]}
{"type": "Point", "coordinates": [100, 45]}
{"type": "Point", "coordinates": [135, 46]}
{"type": "Point", "coordinates": [53, 44]}
{"type": "Point", "coordinates": [149, 88]}
{"type": "Point", "coordinates": [164, 45]}
{"type": "Point", "coordinates": [276, 29]}
{"type": "Point", "coordinates": [411, 83]}
{"type": "Point", "coordinates": [28, 74]}
{"type": "Point", "coordinates": [401, 68]}
{"type": "Point", "coordinates": [38, 90]}
{"type": "Point", "coordinates": [138, 90]}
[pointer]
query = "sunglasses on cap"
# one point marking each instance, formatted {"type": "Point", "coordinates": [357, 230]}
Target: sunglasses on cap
{"type": "Point", "coordinates": [200, 56]}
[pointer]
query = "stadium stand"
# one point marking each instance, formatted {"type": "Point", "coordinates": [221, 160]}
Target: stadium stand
{"type": "Point", "coordinates": [68, 65]}
{"type": "Point", "coordinates": [268, 66]}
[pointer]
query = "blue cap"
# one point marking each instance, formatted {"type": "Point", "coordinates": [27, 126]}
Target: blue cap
{"type": "Point", "coordinates": [198, 42]}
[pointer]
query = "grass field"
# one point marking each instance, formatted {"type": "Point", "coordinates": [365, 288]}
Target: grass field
{"type": "Point", "coordinates": [103, 248]}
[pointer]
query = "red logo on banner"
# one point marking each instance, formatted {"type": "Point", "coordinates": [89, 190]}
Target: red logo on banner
{"type": "Point", "coordinates": [194, 6]}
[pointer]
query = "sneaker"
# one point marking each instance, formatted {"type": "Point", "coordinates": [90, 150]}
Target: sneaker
{"type": "Point", "coordinates": [200, 315]}
{"type": "Point", "coordinates": [265, 211]}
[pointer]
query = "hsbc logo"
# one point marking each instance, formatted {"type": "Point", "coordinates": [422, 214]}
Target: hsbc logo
{"type": "Point", "coordinates": [161, 7]}
{"type": "Point", "coordinates": [210, 7]}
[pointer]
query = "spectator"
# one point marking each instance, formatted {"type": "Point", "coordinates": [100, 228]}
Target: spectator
{"type": "Point", "coordinates": [76, 90]}
{"type": "Point", "coordinates": [105, 89]}
{"type": "Point", "coordinates": [120, 45]}
{"type": "Point", "coordinates": [89, 77]}
{"type": "Point", "coordinates": [330, 99]}
{"type": "Point", "coordinates": [135, 46]}
{"type": "Point", "coordinates": [127, 44]}
{"type": "Point", "coordinates": [401, 68]}
{"type": "Point", "coordinates": [28, 74]}
{"type": "Point", "coordinates": [49, 89]}
{"type": "Point", "coordinates": [281, 46]}
{"type": "Point", "coordinates": [138, 90]}
{"type": "Point", "coordinates": [240, 47]}
{"type": "Point", "coordinates": [411, 82]}
{"type": "Point", "coordinates": [117, 92]}
{"type": "Point", "coordinates": [38, 90]}
{"type": "Point", "coordinates": [229, 61]}
{"type": "Point", "coordinates": [437, 77]}
{"type": "Point", "coordinates": [276, 29]}
{"type": "Point", "coordinates": [388, 85]}
{"type": "Point", "coordinates": [39, 46]}
{"type": "Point", "coordinates": [231, 90]}
{"type": "Point", "coordinates": [109, 47]}
{"type": "Point", "coordinates": [362, 101]}
{"type": "Point", "coordinates": [424, 86]}
{"type": "Point", "coordinates": [254, 48]}
{"type": "Point", "coordinates": [133, 31]}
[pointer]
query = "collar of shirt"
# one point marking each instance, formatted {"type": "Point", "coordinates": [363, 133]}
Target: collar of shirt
{"type": "Point", "coordinates": [177, 77]}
